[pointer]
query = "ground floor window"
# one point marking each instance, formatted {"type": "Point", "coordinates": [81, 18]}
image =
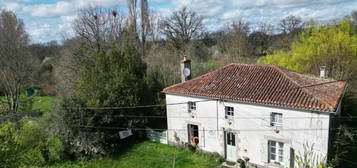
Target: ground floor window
{"type": "Point", "coordinates": [276, 152]}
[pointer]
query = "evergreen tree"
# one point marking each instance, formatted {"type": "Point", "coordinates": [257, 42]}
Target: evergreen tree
{"type": "Point", "coordinates": [114, 78]}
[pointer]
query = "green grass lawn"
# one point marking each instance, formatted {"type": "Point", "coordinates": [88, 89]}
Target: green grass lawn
{"type": "Point", "coordinates": [149, 155]}
{"type": "Point", "coordinates": [43, 103]}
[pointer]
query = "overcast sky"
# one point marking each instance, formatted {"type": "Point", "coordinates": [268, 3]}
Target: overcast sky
{"type": "Point", "coordinates": [48, 20]}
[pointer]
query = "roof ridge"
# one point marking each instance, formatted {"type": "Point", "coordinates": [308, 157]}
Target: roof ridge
{"type": "Point", "coordinates": [305, 90]}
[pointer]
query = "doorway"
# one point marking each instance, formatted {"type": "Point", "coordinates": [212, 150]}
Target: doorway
{"type": "Point", "coordinates": [230, 146]}
{"type": "Point", "coordinates": [193, 136]}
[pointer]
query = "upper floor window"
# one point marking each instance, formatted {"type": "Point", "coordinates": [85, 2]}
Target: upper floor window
{"type": "Point", "coordinates": [276, 152]}
{"type": "Point", "coordinates": [191, 106]}
{"type": "Point", "coordinates": [276, 119]}
{"type": "Point", "coordinates": [229, 111]}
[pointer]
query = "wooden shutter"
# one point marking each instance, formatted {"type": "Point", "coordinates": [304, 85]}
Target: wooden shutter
{"type": "Point", "coordinates": [268, 152]}
{"type": "Point", "coordinates": [292, 157]}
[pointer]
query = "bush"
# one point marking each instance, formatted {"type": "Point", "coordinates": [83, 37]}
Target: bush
{"type": "Point", "coordinates": [242, 163]}
{"type": "Point", "coordinates": [27, 144]}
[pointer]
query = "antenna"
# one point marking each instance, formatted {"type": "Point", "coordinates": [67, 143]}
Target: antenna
{"type": "Point", "coordinates": [186, 72]}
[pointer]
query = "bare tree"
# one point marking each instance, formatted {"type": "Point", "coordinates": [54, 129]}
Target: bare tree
{"type": "Point", "coordinates": [15, 60]}
{"type": "Point", "coordinates": [182, 26]}
{"type": "Point", "coordinates": [354, 16]}
{"type": "Point", "coordinates": [97, 27]}
{"type": "Point", "coordinates": [261, 39]}
{"type": "Point", "coordinates": [290, 24]}
{"type": "Point", "coordinates": [132, 20]}
{"type": "Point", "coordinates": [145, 25]}
{"type": "Point", "coordinates": [234, 41]}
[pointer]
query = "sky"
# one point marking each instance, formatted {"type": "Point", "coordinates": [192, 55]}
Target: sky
{"type": "Point", "coordinates": [48, 20]}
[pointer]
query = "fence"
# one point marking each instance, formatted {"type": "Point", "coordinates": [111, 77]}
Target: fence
{"type": "Point", "coordinates": [19, 116]}
{"type": "Point", "coordinates": [156, 136]}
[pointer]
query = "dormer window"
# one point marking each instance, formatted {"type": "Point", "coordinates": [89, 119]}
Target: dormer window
{"type": "Point", "coordinates": [191, 106]}
{"type": "Point", "coordinates": [229, 111]}
{"type": "Point", "coordinates": [276, 119]}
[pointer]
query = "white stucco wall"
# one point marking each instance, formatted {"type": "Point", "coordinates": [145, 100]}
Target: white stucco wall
{"type": "Point", "coordinates": [251, 124]}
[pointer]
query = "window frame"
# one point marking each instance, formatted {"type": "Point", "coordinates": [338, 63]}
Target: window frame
{"type": "Point", "coordinates": [229, 111]}
{"type": "Point", "coordinates": [191, 106]}
{"type": "Point", "coordinates": [278, 154]}
{"type": "Point", "coordinates": [276, 121]}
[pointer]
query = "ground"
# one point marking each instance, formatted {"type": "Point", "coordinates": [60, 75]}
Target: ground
{"type": "Point", "coordinates": [149, 155]}
{"type": "Point", "coordinates": [43, 103]}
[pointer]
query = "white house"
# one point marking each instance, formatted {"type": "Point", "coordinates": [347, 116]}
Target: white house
{"type": "Point", "coordinates": [260, 112]}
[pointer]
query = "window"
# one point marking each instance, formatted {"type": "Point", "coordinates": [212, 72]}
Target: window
{"type": "Point", "coordinates": [276, 119]}
{"type": "Point", "coordinates": [231, 140]}
{"type": "Point", "coordinates": [276, 152]}
{"type": "Point", "coordinates": [191, 106]}
{"type": "Point", "coordinates": [229, 111]}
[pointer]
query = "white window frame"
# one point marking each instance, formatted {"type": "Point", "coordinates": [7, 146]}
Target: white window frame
{"type": "Point", "coordinates": [276, 152]}
{"type": "Point", "coordinates": [229, 111]}
{"type": "Point", "coordinates": [191, 106]}
{"type": "Point", "coordinates": [276, 119]}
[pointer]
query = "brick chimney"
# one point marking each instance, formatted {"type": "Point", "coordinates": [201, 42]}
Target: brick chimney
{"type": "Point", "coordinates": [185, 69]}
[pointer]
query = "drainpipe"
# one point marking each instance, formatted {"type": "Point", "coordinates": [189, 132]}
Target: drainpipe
{"type": "Point", "coordinates": [217, 119]}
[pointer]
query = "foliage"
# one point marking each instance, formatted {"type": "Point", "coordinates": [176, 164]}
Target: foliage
{"type": "Point", "coordinates": [114, 78]}
{"type": "Point", "coordinates": [333, 46]}
{"type": "Point", "coordinates": [16, 64]}
{"type": "Point", "coordinates": [43, 103]}
{"type": "Point", "coordinates": [27, 144]}
{"type": "Point", "coordinates": [310, 159]}
{"type": "Point", "coordinates": [149, 155]}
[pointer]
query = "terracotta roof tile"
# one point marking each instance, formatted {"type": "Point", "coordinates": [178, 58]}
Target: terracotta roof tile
{"type": "Point", "coordinates": [266, 84]}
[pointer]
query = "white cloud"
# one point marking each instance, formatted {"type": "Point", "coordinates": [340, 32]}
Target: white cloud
{"type": "Point", "coordinates": [67, 7]}
{"type": "Point", "coordinates": [13, 6]}
{"type": "Point", "coordinates": [216, 13]}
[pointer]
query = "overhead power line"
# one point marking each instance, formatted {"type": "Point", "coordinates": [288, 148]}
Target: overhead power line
{"type": "Point", "coordinates": [212, 99]}
{"type": "Point", "coordinates": [217, 130]}
{"type": "Point", "coordinates": [213, 117]}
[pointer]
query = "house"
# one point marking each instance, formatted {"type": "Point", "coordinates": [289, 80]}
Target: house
{"type": "Point", "coordinates": [260, 112]}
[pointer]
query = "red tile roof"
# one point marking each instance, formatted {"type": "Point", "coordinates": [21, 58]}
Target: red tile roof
{"type": "Point", "coordinates": [264, 84]}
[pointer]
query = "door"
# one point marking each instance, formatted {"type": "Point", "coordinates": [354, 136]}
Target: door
{"type": "Point", "coordinates": [230, 141]}
{"type": "Point", "coordinates": [193, 136]}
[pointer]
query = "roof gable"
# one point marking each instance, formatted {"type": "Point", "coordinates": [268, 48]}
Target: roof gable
{"type": "Point", "coordinates": [264, 84]}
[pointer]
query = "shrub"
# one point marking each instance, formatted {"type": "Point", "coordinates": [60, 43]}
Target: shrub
{"type": "Point", "coordinates": [27, 144]}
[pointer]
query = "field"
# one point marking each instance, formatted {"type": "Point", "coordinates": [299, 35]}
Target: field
{"type": "Point", "coordinates": [148, 155]}
{"type": "Point", "coordinates": [43, 103]}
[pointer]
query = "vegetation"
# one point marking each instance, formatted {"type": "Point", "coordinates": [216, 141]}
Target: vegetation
{"type": "Point", "coordinates": [117, 59]}
{"type": "Point", "coordinates": [148, 155]}
{"type": "Point", "coordinates": [28, 144]}
{"type": "Point", "coordinates": [15, 62]}
{"type": "Point", "coordinates": [332, 46]}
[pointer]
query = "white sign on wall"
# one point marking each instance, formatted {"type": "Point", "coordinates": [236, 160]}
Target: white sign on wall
{"type": "Point", "coordinates": [125, 134]}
